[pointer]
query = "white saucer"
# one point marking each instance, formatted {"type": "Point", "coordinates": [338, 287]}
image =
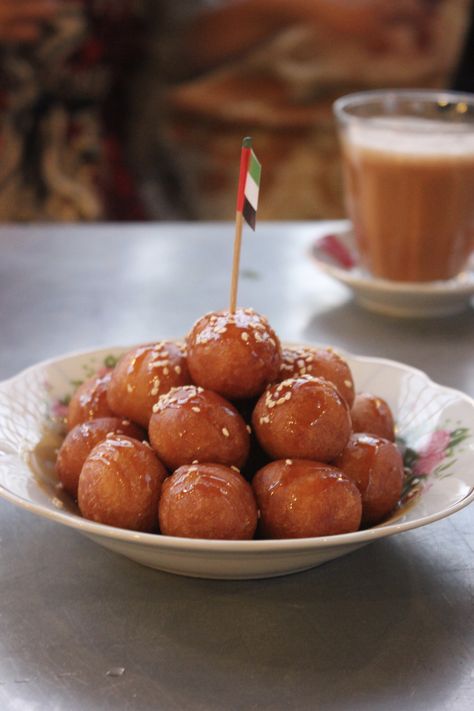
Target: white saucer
{"type": "Point", "coordinates": [337, 255]}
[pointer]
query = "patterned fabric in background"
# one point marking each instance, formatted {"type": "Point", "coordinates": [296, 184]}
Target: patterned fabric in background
{"type": "Point", "coordinates": [280, 89]}
{"type": "Point", "coordinates": [63, 116]}
{"type": "Point", "coordinates": [136, 109]}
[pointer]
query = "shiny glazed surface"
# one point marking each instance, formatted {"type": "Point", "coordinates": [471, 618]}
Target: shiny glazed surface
{"type": "Point", "coordinates": [207, 501]}
{"type": "Point", "coordinates": [304, 418]}
{"type": "Point", "coordinates": [300, 498]}
{"type": "Point", "coordinates": [142, 375]}
{"type": "Point", "coordinates": [236, 355]}
{"type": "Point", "coordinates": [190, 423]}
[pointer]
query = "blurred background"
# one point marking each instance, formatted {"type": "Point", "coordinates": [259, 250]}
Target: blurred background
{"type": "Point", "coordinates": [116, 110]}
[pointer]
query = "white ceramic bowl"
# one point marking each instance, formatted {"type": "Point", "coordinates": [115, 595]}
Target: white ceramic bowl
{"type": "Point", "coordinates": [435, 426]}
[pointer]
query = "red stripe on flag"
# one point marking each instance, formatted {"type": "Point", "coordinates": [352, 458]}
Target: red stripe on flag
{"type": "Point", "coordinates": [244, 166]}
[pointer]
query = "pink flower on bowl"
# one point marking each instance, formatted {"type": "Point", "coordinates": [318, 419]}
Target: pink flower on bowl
{"type": "Point", "coordinates": [433, 453]}
{"type": "Point", "coordinates": [59, 409]}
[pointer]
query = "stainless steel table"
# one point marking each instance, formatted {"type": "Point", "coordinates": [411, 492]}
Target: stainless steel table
{"type": "Point", "coordinates": [389, 627]}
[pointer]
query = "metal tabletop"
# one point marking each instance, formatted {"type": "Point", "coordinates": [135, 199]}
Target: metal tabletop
{"type": "Point", "coordinates": [389, 627]}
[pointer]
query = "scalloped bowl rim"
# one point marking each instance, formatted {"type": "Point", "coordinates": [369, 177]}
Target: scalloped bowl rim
{"type": "Point", "coordinates": [209, 545]}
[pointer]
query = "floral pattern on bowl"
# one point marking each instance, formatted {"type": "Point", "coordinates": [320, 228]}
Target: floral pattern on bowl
{"type": "Point", "coordinates": [58, 407]}
{"type": "Point", "coordinates": [435, 458]}
{"type": "Point", "coordinates": [435, 429]}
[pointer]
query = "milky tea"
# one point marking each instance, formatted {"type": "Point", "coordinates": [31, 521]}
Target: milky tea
{"type": "Point", "coordinates": [410, 195]}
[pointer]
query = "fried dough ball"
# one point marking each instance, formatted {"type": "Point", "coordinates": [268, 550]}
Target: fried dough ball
{"type": "Point", "coordinates": [81, 440]}
{"type": "Point", "coordinates": [89, 401]}
{"type": "Point", "coordinates": [371, 414]}
{"type": "Point", "coordinates": [320, 362]}
{"type": "Point", "coordinates": [207, 501]}
{"type": "Point", "coordinates": [298, 498]}
{"type": "Point", "coordinates": [144, 374]}
{"type": "Point", "coordinates": [192, 424]}
{"type": "Point", "coordinates": [120, 484]}
{"type": "Point", "coordinates": [304, 418]}
{"type": "Point", "coordinates": [376, 467]}
{"type": "Point", "coordinates": [235, 354]}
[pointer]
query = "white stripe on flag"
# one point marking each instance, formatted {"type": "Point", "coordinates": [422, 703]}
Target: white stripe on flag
{"type": "Point", "coordinates": [251, 191]}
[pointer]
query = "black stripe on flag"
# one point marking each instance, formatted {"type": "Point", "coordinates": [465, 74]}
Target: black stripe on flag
{"type": "Point", "coordinates": [250, 215]}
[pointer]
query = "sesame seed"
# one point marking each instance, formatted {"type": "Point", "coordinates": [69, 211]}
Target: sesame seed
{"type": "Point", "coordinates": [177, 369]}
{"type": "Point", "coordinates": [166, 371]}
{"type": "Point", "coordinates": [196, 409]}
{"type": "Point", "coordinates": [236, 469]}
{"type": "Point", "coordinates": [244, 336]}
{"type": "Point", "coordinates": [249, 429]}
{"type": "Point", "coordinates": [225, 432]}
{"type": "Point", "coordinates": [155, 386]}
{"type": "Point", "coordinates": [129, 388]}
{"type": "Point", "coordinates": [348, 383]}
{"type": "Point", "coordinates": [289, 462]}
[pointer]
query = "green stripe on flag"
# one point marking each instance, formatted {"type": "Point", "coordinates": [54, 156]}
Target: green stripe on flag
{"type": "Point", "coordinates": [255, 169]}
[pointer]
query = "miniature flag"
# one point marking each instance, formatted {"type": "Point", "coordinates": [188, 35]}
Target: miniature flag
{"type": "Point", "coordinates": [249, 183]}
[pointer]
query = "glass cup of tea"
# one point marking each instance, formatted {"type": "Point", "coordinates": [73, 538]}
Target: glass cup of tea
{"type": "Point", "coordinates": [408, 168]}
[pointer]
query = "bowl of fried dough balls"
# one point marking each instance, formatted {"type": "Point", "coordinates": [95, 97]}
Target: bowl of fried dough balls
{"type": "Point", "coordinates": [230, 454]}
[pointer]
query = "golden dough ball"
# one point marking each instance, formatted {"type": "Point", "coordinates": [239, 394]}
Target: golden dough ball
{"type": "Point", "coordinates": [321, 363]}
{"type": "Point", "coordinates": [207, 501]}
{"type": "Point", "coordinates": [89, 401]}
{"type": "Point", "coordinates": [144, 374]}
{"type": "Point", "coordinates": [235, 354]}
{"type": "Point", "coordinates": [376, 467]}
{"type": "Point", "coordinates": [120, 484]}
{"type": "Point", "coordinates": [304, 418]}
{"type": "Point", "coordinates": [371, 414]}
{"type": "Point", "coordinates": [192, 424]}
{"type": "Point", "coordinates": [299, 498]}
{"type": "Point", "coordinates": [81, 440]}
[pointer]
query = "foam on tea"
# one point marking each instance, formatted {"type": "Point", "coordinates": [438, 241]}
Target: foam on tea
{"type": "Point", "coordinates": [410, 187]}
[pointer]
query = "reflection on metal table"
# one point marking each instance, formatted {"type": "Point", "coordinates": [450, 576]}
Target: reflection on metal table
{"type": "Point", "coordinates": [389, 626]}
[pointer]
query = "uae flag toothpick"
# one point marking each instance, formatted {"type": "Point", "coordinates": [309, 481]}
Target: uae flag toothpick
{"type": "Point", "coordinates": [247, 203]}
